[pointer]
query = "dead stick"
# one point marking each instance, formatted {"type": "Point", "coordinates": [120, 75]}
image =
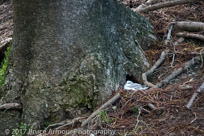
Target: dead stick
{"type": "Point", "coordinates": [178, 71]}
{"type": "Point", "coordinates": [10, 106]}
{"type": "Point", "coordinates": [168, 35]}
{"type": "Point", "coordinates": [143, 5]}
{"type": "Point", "coordinates": [56, 125]}
{"type": "Point", "coordinates": [151, 106]}
{"type": "Point", "coordinates": [180, 40]}
{"type": "Point", "coordinates": [190, 35]}
{"type": "Point", "coordinates": [72, 122]}
{"type": "Point", "coordinates": [109, 102]}
{"type": "Point", "coordinates": [155, 66]}
{"type": "Point", "coordinates": [164, 4]}
{"type": "Point", "coordinates": [200, 89]}
{"type": "Point", "coordinates": [189, 25]}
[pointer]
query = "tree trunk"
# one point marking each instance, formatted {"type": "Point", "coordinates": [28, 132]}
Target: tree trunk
{"type": "Point", "coordinates": [67, 56]}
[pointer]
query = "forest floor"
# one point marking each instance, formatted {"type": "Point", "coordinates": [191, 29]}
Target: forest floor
{"type": "Point", "coordinates": [130, 115]}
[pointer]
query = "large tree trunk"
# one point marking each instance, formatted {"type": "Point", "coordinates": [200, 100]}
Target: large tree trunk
{"type": "Point", "coordinates": [68, 55]}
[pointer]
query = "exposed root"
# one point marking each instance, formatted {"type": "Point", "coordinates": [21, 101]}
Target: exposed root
{"type": "Point", "coordinates": [200, 89]}
{"type": "Point", "coordinates": [178, 71]}
{"type": "Point", "coordinates": [190, 35]}
{"type": "Point", "coordinates": [164, 5]}
{"type": "Point", "coordinates": [11, 106]}
{"type": "Point", "coordinates": [140, 7]}
{"type": "Point", "coordinates": [180, 40]}
{"type": "Point", "coordinates": [109, 102]}
{"type": "Point", "coordinates": [155, 66]}
{"type": "Point", "coordinates": [189, 25]}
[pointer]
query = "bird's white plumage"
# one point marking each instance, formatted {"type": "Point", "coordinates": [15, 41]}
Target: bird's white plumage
{"type": "Point", "coordinates": [134, 86]}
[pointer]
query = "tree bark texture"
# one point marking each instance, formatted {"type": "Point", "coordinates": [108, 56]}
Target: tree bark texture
{"type": "Point", "coordinates": [67, 56]}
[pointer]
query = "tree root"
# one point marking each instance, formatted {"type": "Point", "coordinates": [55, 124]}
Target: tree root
{"type": "Point", "coordinates": [65, 123]}
{"type": "Point", "coordinates": [189, 25]}
{"type": "Point", "coordinates": [190, 35]}
{"type": "Point", "coordinates": [155, 66]}
{"type": "Point", "coordinates": [164, 5]}
{"type": "Point", "coordinates": [13, 106]}
{"type": "Point", "coordinates": [200, 89]}
{"type": "Point", "coordinates": [140, 7]}
{"type": "Point", "coordinates": [180, 40]}
{"type": "Point", "coordinates": [178, 71]}
{"type": "Point", "coordinates": [109, 102]}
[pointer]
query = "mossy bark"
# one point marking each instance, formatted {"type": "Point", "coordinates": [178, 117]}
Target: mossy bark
{"type": "Point", "coordinates": [68, 56]}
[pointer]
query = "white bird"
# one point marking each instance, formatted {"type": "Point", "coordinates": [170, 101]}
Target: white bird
{"type": "Point", "coordinates": [134, 86]}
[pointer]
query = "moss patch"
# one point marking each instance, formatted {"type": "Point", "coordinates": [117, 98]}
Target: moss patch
{"type": "Point", "coordinates": [4, 65]}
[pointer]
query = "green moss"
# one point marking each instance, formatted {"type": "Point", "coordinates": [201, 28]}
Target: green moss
{"type": "Point", "coordinates": [80, 95]}
{"type": "Point", "coordinates": [4, 65]}
{"type": "Point", "coordinates": [79, 92]}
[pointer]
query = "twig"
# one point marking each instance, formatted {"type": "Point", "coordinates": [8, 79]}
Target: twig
{"type": "Point", "coordinates": [178, 71]}
{"type": "Point", "coordinates": [109, 102]}
{"type": "Point", "coordinates": [138, 118]}
{"type": "Point", "coordinates": [155, 66]}
{"type": "Point", "coordinates": [189, 25]}
{"type": "Point", "coordinates": [10, 106]}
{"type": "Point", "coordinates": [190, 35]}
{"type": "Point", "coordinates": [164, 5]}
{"type": "Point", "coordinates": [169, 35]}
{"type": "Point", "coordinates": [56, 125]}
{"type": "Point", "coordinates": [172, 62]}
{"type": "Point", "coordinates": [200, 89]}
{"type": "Point", "coordinates": [185, 87]}
{"type": "Point", "coordinates": [64, 123]}
{"type": "Point", "coordinates": [180, 40]}
{"type": "Point", "coordinates": [151, 106]}
{"type": "Point", "coordinates": [72, 122]}
{"type": "Point", "coordinates": [143, 5]}
{"type": "Point", "coordinates": [145, 110]}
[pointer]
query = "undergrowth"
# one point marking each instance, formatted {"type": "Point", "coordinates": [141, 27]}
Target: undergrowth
{"type": "Point", "coordinates": [4, 65]}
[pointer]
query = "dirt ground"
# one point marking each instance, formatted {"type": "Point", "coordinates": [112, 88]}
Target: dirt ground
{"type": "Point", "coordinates": [130, 115]}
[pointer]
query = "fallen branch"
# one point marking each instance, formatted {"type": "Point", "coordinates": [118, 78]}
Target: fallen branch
{"type": "Point", "coordinates": [168, 35]}
{"type": "Point", "coordinates": [200, 89]}
{"type": "Point", "coordinates": [180, 40]}
{"type": "Point", "coordinates": [155, 66]}
{"type": "Point", "coordinates": [152, 106]}
{"type": "Point", "coordinates": [71, 123]}
{"type": "Point", "coordinates": [179, 71]}
{"type": "Point", "coordinates": [138, 119]}
{"type": "Point", "coordinates": [189, 25]}
{"type": "Point", "coordinates": [143, 5]}
{"type": "Point", "coordinates": [164, 5]}
{"type": "Point", "coordinates": [12, 106]}
{"type": "Point", "coordinates": [64, 123]}
{"type": "Point", "coordinates": [185, 87]}
{"type": "Point", "coordinates": [51, 126]}
{"type": "Point", "coordinates": [109, 102]}
{"type": "Point", "coordinates": [190, 35]}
